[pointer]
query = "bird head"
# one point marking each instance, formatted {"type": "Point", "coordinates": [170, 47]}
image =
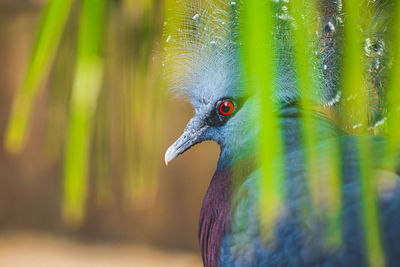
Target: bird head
{"type": "Point", "coordinates": [222, 110]}
{"type": "Point", "coordinates": [204, 63]}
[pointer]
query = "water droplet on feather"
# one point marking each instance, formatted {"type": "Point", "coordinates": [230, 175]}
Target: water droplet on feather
{"type": "Point", "coordinates": [331, 26]}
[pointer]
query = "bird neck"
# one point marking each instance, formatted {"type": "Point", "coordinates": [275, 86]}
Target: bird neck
{"type": "Point", "coordinates": [214, 217]}
{"type": "Point", "coordinates": [215, 212]}
{"type": "Point", "coordinates": [239, 147]}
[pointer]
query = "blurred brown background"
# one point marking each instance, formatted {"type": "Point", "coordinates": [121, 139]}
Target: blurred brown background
{"type": "Point", "coordinates": [157, 231]}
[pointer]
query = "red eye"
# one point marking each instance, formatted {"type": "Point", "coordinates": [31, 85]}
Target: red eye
{"type": "Point", "coordinates": [226, 108]}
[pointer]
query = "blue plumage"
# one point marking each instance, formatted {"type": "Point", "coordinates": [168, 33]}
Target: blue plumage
{"type": "Point", "coordinates": [203, 63]}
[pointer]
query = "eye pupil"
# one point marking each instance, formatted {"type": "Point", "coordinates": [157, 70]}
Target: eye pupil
{"type": "Point", "coordinates": [226, 108]}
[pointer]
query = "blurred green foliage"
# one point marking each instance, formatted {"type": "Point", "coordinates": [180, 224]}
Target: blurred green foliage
{"type": "Point", "coordinates": [353, 86]}
{"type": "Point", "coordinates": [48, 37]}
{"type": "Point", "coordinates": [394, 93]}
{"type": "Point", "coordinates": [87, 81]}
{"type": "Point", "coordinates": [106, 99]}
{"type": "Point", "coordinates": [259, 47]}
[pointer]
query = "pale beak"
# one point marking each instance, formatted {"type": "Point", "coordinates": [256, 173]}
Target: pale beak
{"type": "Point", "coordinates": [192, 135]}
